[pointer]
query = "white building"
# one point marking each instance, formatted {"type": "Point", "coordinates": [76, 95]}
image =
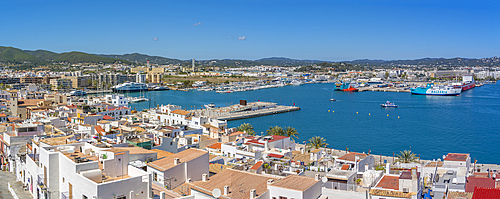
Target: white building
{"type": "Point", "coordinates": [185, 166]}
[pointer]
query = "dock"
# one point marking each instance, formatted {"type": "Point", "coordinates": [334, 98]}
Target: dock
{"type": "Point", "coordinates": [384, 89]}
{"type": "Point", "coordinates": [242, 111]}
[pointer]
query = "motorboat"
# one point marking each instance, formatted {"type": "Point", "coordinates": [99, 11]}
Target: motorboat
{"type": "Point", "coordinates": [389, 105]}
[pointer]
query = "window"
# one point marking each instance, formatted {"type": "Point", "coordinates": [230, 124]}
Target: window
{"type": "Point", "coordinates": [281, 197]}
{"type": "Point", "coordinates": [122, 197]}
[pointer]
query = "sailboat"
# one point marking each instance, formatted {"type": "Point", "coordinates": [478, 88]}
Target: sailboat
{"type": "Point", "coordinates": [331, 98]}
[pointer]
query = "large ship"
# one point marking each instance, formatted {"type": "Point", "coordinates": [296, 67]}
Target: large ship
{"type": "Point", "coordinates": [339, 86]}
{"type": "Point", "coordinates": [468, 82]}
{"type": "Point", "coordinates": [130, 87]}
{"type": "Point", "coordinates": [432, 89]}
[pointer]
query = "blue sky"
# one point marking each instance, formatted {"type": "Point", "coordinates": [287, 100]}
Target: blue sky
{"type": "Point", "coordinates": [219, 29]}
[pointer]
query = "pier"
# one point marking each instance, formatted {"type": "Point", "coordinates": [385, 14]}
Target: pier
{"type": "Point", "coordinates": [385, 89]}
{"type": "Point", "coordinates": [244, 110]}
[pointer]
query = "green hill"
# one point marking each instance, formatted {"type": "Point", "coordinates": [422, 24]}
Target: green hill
{"type": "Point", "coordinates": [141, 58]}
{"type": "Point", "coordinates": [10, 55]}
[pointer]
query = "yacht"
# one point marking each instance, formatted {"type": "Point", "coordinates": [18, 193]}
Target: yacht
{"type": "Point", "coordinates": [78, 93]}
{"type": "Point", "coordinates": [130, 87]}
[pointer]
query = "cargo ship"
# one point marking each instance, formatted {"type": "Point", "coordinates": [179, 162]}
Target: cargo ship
{"type": "Point", "coordinates": [468, 82]}
{"type": "Point", "coordinates": [432, 89]}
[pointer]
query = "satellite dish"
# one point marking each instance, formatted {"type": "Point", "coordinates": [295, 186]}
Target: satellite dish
{"type": "Point", "coordinates": [216, 193]}
{"type": "Point", "coordinates": [324, 179]}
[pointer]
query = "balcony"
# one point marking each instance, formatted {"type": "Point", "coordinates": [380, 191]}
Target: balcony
{"type": "Point", "coordinates": [41, 181]}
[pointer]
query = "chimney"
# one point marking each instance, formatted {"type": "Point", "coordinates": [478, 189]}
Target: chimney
{"type": "Point", "coordinates": [176, 161]}
{"type": "Point", "coordinates": [253, 194]}
{"type": "Point", "coordinates": [387, 168]}
{"type": "Point", "coordinates": [316, 177]}
{"type": "Point", "coordinates": [302, 150]}
{"type": "Point", "coordinates": [226, 190]}
{"type": "Point", "coordinates": [366, 167]}
{"type": "Point", "coordinates": [204, 177]}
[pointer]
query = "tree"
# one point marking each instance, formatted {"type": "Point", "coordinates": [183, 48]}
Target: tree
{"type": "Point", "coordinates": [276, 130]}
{"type": "Point", "coordinates": [291, 132]}
{"type": "Point", "coordinates": [406, 156]}
{"type": "Point", "coordinates": [317, 142]}
{"type": "Point", "coordinates": [246, 127]}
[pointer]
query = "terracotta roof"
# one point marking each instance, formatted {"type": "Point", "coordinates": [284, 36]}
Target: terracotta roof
{"type": "Point", "coordinates": [298, 156]}
{"type": "Point", "coordinates": [180, 112]}
{"type": "Point", "coordinates": [215, 146]}
{"type": "Point", "coordinates": [275, 155]}
{"type": "Point", "coordinates": [161, 153]}
{"type": "Point", "coordinates": [3, 115]}
{"type": "Point", "coordinates": [315, 150]}
{"type": "Point", "coordinates": [398, 194]}
{"type": "Point", "coordinates": [240, 183]}
{"type": "Point", "coordinates": [236, 133]}
{"type": "Point", "coordinates": [456, 157]}
{"type": "Point", "coordinates": [29, 102]}
{"type": "Point", "coordinates": [351, 156]}
{"type": "Point", "coordinates": [345, 167]}
{"type": "Point", "coordinates": [389, 182]}
{"type": "Point", "coordinates": [99, 129]}
{"type": "Point", "coordinates": [295, 182]}
{"type": "Point", "coordinates": [486, 193]}
{"type": "Point", "coordinates": [478, 181]}
{"type": "Point", "coordinates": [107, 117]}
{"type": "Point", "coordinates": [11, 119]}
{"type": "Point", "coordinates": [208, 126]}
{"type": "Point", "coordinates": [459, 195]}
{"type": "Point", "coordinates": [184, 156]}
{"type": "Point", "coordinates": [55, 141]}
{"type": "Point", "coordinates": [257, 165]}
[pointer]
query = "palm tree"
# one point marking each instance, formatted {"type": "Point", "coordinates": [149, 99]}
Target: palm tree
{"type": "Point", "coordinates": [317, 142]}
{"type": "Point", "coordinates": [246, 127]}
{"type": "Point", "coordinates": [406, 156]}
{"type": "Point", "coordinates": [291, 132]}
{"type": "Point", "coordinates": [276, 130]}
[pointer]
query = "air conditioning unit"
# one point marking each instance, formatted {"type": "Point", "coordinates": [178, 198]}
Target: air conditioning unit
{"type": "Point", "coordinates": [406, 190]}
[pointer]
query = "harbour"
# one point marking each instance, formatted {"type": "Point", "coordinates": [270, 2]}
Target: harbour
{"type": "Point", "coordinates": [435, 124]}
{"type": "Point", "coordinates": [244, 110]}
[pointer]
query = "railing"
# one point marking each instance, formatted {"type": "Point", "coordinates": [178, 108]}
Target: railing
{"type": "Point", "coordinates": [340, 186]}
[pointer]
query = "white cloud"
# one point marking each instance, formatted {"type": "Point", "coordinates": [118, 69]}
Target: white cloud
{"type": "Point", "coordinates": [196, 24]}
{"type": "Point", "coordinates": [156, 38]}
{"type": "Point", "coordinates": [242, 38]}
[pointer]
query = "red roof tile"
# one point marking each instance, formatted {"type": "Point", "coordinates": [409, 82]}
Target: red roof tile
{"type": "Point", "coordinates": [345, 167]}
{"type": "Point", "coordinates": [215, 146]}
{"type": "Point", "coordinates": [275, 155]}
{"type": "Point", "coordinates": [99, 129]}
{"type": "Point", "coordinates": [485, 193]}
{"type": "Point", "coordinates": [257, 165]}
{"type": "Point", "coordinates": [477, 181]}
{"type": "Point", "coordinates": [456, 157]}
{"type": "Point", "coordinates": [3, 115]}
{"type": "Point", "coordinates": [389, 182]}
{"type": "Point", "coordinates": [107, 117]}
{"type": "Point", "coordinates": [351, 156]}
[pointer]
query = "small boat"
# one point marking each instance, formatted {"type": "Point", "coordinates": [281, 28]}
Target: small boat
{"type": "Point", "coordinates": [331, 98]}
{"type": "Point", "coordinates": [78, 93]}
{"type": "Point", "coordinates": [389, 105]}
{"type": "Point", "coordinates": [211, 105]}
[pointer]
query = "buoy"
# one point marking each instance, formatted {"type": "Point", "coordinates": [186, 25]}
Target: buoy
{"type": "Point", "coordinates": [398, 117]}
{"type": "Point", "coordinates": [333, 111]}
{"type": "Point", "coordinates": [356, 112]}
{"type": "Point", "coordinates": [387, 115]}
{"type": "Point", "coordinates": [369, 114]}
{"type": "Point", "coordinates": [328, 110]}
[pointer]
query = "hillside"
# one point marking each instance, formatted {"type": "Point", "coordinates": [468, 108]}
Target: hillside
{"type": "Point", "coordinates": [10, 55]}
{"type": "Point", "coordinates": [141, 58]}
{"type": "Point", "coordinates": [430, 62]}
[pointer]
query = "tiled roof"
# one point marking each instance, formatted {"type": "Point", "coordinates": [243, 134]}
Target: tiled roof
{"type": "Point", "coordinates": [459, 195]}
{"type": "Point", "coordinates": [456, 157]}
{"type": "Point", "coordinates": [345, 167]}
{"type": "Point", "coordinates": [184, 156]}
{"type": "Point", "coordinates": [240, 183]}
{"type": "Point", "coordinates": [99, 129]}
{"type": "Point", "coordinates": [389, 182]}
{"type": "Point", "coordinates": [485, 193]}
{"type": "Point", "coordinates": [217, 168]}
{"type": "Point", "coordinates": [351, 156]}
{"type": "Point", "coordinates": [215, 146]}
{"type": "Point", "coordinates": [3, 115]}
{"type": "Point", "coordinates": [295, 182]}
{"type": "Point", "coordinates": [477, 181]}
{"type": "Point", "coordinates": [257, 165]}
{"type": "Point", "coordinates": [180, 112]}
{"type": "Point", "coordinates": [107, 117]}
{"type": "Point", "coordinates": [387, 193]}
{"type": "Point", "coordinates": [136, 150]}
{"type": "Point", "coordinates": [275, 155]}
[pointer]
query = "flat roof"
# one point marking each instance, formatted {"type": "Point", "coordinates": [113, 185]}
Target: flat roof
{"type": "Point", "coordinates": [184, 156]}
{"type": "Point", "coordinates": [456, 157]}
{"type": "Point", "coordinates": [389, 182]}
{"type": "Point", "coordinates": [352, 156]}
